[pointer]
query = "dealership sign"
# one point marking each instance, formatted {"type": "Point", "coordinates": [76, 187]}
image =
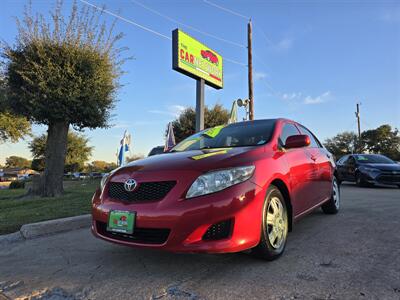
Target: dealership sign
{"type": "Point", "coordinates": [196, 60]}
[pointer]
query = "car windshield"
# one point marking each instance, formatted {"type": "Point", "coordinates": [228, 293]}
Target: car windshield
{"type": "Point", "coordinates": [251, 133]}
{"type": "Point", "coordinates": [373, 159]}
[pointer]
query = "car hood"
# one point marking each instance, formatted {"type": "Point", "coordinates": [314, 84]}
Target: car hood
{"type": "Point", "coordinates": [199, 160]}
{"type": "Point", "coordinates": [383, 167]}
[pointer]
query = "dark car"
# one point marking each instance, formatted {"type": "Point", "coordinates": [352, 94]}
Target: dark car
{"type": "Point", "coordinates": [225, 189]}
{"type": "Point", "coordinates": [156, 150]}
{"type": "Point", "coordinates": [367, 169]}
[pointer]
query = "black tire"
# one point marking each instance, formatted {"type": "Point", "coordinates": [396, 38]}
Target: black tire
{"type": "Point", "coordinates": [265, 249]}
{"type": "Point", "coordinates": [359, 181]}
{"type": "Point", "coordinates": [333, 205]}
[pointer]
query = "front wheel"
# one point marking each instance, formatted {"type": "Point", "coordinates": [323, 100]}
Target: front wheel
{"type": "Point", "coordinates": [332, 206]}
{"type": "Point", "coordinates": [359, 181]}
{"type": "Point", "coordinates": [274, 227]}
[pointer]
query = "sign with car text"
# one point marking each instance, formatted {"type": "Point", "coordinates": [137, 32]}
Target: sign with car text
{"type": "Point", "coordinates": [196, 60]}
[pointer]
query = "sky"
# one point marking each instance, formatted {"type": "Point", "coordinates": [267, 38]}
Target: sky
{"type": "Point", "coordinates": [313, 61]}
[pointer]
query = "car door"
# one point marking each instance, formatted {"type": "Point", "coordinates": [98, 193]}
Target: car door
{"type": "Point", "coordinates": [350, 169]}
{"type": "Point", "coordinates": [322, 181]}
{"type": "Point", "coordinates": [301, 171]}
{"type": "Point", "coordinates": [341, 167]}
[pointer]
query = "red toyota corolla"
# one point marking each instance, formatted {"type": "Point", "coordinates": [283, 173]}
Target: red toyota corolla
{"type": "Point", "coordinates": [225, 189]}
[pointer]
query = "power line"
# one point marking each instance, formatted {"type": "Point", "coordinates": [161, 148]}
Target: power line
{"type": "Point", "coordinates": [126, 20]}
{"type": "Point", "coordinates": [186, 25]}
{"type": "Point", "coordinates": [227, 10]}
{"type": "Point", "coordinates": [144, 27]}
{"type": "Point", "coordinates": [264, 35]}
{"type": "Point", "coordinates": [276, 94]}
{"type": "Point", "coordinates": [235, 62]}
{"type": "Point", "coordinates": [244, 17]}
{"type": "Point", "coordinates": [260, 59]}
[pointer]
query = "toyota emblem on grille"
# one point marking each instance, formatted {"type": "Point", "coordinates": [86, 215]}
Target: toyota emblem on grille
{"type": "Point", "coordinates": [130, 185]}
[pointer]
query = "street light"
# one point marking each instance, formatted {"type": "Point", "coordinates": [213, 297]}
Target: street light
{"type": "Point", "coordinates": [244, 103]}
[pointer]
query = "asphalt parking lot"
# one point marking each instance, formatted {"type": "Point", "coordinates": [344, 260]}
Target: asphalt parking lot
{"type": "Point", "coordinates": [352, 255]}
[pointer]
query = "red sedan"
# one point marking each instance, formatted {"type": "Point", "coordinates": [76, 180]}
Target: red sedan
{"type": "Point", "coordinates": [225, 189]}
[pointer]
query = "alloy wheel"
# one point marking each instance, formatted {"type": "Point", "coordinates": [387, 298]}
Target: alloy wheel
{"type": "Point", "coordinates": [277, 224]}
{"type": "Point", "coordinates": [336, 193]}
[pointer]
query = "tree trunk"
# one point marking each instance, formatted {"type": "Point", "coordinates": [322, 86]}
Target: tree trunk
{"type": "Point", "coordinates": [56, 150]}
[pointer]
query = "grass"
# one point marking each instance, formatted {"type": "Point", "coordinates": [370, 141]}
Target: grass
{"type": "Point", "coordinates": [16, 211]}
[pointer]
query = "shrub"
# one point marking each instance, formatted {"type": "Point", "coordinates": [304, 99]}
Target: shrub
{"type": "Point", "coordinates": [17, 184]}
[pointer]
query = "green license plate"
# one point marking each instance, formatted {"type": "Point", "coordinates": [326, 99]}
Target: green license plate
{"type": "Point", "coordinates": [121, 221]}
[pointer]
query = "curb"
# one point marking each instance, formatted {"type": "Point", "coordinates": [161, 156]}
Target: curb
{"type": "Point", "coordinates": [35, 230]}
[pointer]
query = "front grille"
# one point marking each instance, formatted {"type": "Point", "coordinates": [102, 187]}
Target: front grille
{"type": "Point", "coordinates": [218, 231]}
{"type": "Point", "coordinates": [139, 235]}
{"type": "Point", "coordinates": [146, 191]}
{"type": "Point", "coordinates": [387, 177]}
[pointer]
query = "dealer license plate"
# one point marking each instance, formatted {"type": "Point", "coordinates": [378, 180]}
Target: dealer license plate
{"type": "Point", "coordinates": [121, 221]}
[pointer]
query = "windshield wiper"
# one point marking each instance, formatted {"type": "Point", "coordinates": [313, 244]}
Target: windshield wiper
{"type": "Point", "coordinates": [217, 147]}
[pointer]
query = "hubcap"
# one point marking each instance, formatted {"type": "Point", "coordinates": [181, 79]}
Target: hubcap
{"type": "Point", "coordinates": [336, 194]}
{"type": "Point", "coordinates": [276, 223]}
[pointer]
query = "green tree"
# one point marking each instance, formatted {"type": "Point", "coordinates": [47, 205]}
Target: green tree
{"type": "Point", "coordinates": [110, 166]}
{"type": "Point", "coordinates": [185, 124]}
{"type": "Point", "coordinates": [134, 157]}
{"type": "Point", "coordinates": [97, 166]}
{"type": "Point", "coordinates": [101, 166]}
{"type": "Point", "coordinates": [342, 144]}
{"type": "Point", "coordinates": [77, 154]}
{"type": "Point", "coordinates": [12, 128]}
{"type": "Point", "coordinates": [61, 73]}
{"type": "Point", "coordinates": [383, 140]}
{"type": "Point", "coordinates": [17, 162]}
{"type": "Point", "coordinates": [37, 164]}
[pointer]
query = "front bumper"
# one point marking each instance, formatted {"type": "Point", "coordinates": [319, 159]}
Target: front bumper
{"type": "Point", "coordinates": [185, 221]}
{"type": "Point", "coordinates": [387, 178]}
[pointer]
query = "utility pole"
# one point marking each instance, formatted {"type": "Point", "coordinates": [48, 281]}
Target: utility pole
{"type": "Point", "coordinates": [250, 69]}
{"type": "Point", "coordinates": [358, 121]}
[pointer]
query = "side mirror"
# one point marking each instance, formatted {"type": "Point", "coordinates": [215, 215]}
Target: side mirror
{"type": "Point", "coordinates": [297, 141]}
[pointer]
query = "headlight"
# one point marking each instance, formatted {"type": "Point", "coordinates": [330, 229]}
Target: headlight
{"type": "Point", "coordinates": [372, 170]}
{"type": "Point", "coordinates": [103, 181]}
{"type": "Point", "coordinates": [215, 181]}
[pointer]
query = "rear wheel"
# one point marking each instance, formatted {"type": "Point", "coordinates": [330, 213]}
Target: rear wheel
{"type": "Point", "coordinates": [274, 227]}
{"type": "Point", "coordinates": [332, 206]}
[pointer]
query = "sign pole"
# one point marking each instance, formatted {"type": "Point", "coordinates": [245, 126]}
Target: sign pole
{"type": "Point", "coordinates": [199, 104]}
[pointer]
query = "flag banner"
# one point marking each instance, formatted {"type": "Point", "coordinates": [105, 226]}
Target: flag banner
{"type": "Point", "coordinates": [125, 146]}
{"type": "Point", "coordinates": [233, 115]}
{"type": "Point", "coordinates": [170, 139]}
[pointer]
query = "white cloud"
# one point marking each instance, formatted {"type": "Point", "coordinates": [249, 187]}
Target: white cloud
{"type": "Point", "coordinates": [122, 124]}
{"type": "Point", "coordinates": [390, 16]}
{"type": "Point", "coordinates": [172, 110]}
{"type": "Point", "coordinates": [290, 96]}
{"type": "Point", "coordinates": [284, 44]}
{"type": "Point", "coordinates": [259, 75]}
{"type": "Point", "coordinates": [317, 100]}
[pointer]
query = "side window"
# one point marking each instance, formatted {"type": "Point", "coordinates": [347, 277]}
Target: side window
{"type": "Point", "coordinates": [351, 161]}
{"type": "Point", "coordinates": [343, 160]}
{"type": "Point", "coordinates": [288, 130]}
{"type": "Point", "coordinates": [314, 142]}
